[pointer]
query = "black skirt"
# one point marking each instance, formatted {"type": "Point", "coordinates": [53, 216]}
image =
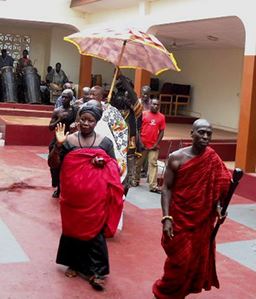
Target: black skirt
{"type": "Point", "coordinates": [89, 257]}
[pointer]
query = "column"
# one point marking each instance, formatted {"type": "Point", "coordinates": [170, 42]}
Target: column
{"type": "Point", "coordinates": [142, 77]}
{"type": "Point", "coordinates": [246, 141]}
{"type": "Point", "coordinates": [85, 72]}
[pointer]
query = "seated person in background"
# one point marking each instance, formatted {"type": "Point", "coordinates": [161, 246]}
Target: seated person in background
{"type": "Point", "coordinates": [44, 88]}
{"type": "Point", "coordinates": [85, 96]}
{"type": "Point", "coordinates": [5, 59]}
{"type": "Point", "coordinates": [59, 101]}
{"type": "Point", "coordinates": [48, 76]}
{"type": "Point", "coordinates": [23, 62]}
{"type": "Point", "coordinates": [57, 78]}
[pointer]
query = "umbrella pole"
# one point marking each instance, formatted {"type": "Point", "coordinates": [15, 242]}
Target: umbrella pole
{"type": "Point", "coordinates": [116, 72]}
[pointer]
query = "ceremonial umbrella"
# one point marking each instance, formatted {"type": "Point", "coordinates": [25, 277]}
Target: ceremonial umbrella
{"type": "Point", "coordinates": [126, 48]}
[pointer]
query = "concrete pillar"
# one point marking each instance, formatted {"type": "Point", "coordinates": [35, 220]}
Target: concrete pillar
{"type": "Point", "coordinates": [85, 72]}
{"type": "Point", "coordinates": [246, 142]}
{"type": "Point", "coordinates": [142, 77]}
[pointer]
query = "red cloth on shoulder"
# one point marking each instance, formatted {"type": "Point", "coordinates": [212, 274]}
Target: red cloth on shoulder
{"type": "Point", "coordinates": [199, 184]}
{"type": "Point", "coordinates": [190, 265]}
{"type": "Point", "coordinates": [91, 197]}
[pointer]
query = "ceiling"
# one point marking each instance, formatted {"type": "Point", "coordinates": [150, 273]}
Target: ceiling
{"type": "Point", "coordinates": [33, 24]}
{"type": "Point", "coordinates": [93, 6]}
{"type": "Point", "coordinates": [227, 32]}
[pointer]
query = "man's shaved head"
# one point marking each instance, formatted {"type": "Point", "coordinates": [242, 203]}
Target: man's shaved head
{"type": "Point", "coordinates": [201, 134]}
{"type": "Point", "coordinates": [96, 93]}
{"type": "Point", "coordinates": [200, 123]}
{"type": "Point", "coordinates": [86, 90]}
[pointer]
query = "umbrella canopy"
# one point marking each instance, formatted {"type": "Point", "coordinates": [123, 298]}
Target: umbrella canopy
{"type": "Point", "coordinates": [128, 48]}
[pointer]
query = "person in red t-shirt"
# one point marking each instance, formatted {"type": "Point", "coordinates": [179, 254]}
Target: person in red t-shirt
{"type": "Point", "coordinates": [152, 132]}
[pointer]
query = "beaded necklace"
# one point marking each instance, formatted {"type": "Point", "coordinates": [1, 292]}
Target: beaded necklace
{"type": "Point", "coordinates": [79, 140]}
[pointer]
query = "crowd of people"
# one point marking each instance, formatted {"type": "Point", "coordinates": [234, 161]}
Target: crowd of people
{"type": "Point", "coordinates": [103, 148]}
{"type": "Point", "coordinates": [100, 150]}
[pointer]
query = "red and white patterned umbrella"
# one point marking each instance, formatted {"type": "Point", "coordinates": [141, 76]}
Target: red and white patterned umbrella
{"type": "Point", "coordinates": [128, 48]}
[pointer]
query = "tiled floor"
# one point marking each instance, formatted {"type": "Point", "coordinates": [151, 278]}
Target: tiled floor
{"type": "Point", "coordinates": [30, 228]}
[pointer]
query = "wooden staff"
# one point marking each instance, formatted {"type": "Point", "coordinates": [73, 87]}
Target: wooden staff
{"type": "Point", "coordinates": [237, 175]}
{"type": "Point", "coordinates": [116, 72]}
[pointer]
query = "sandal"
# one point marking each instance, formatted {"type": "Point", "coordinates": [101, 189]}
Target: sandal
{"type": "Point", "coordinates": [70, 273]}
{"type": "Point", "coordinates": [97, 282]}
{"type": "Point", "coordinates": [56, 194]}
{"type": "Point", "coordinates": [135, 184]}
{"type": "Point", "coordinates": [156, 190]}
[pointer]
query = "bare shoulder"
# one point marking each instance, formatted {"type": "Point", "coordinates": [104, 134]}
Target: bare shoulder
{"type": "Point", "coordinates": [72, 138]}
{"type": "Point", "coordinates": [174, 160]}
{"type": "Point", "coordinates": [58, 110]}
{"type": "Point", "coordinates": [99, 137]}
{"type": "Point", "coordinates": [177, 158]}
{"type": "Point", "coordinates": [79, 102]}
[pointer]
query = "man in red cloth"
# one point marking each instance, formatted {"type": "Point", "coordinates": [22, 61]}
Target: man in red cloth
{"type": "Point", "coordinates": [195, 183]}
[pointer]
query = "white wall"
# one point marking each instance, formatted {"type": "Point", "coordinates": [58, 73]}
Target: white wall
{"type": "Point", "coordinates": [40, 40]}
{"type": "Point", "coordinates": [106, 69]}
{"type": "Point", "coordinates": [65, 53]}
{"type": "Point", "coordinates": [49, 11]}
{"type": "Point", "coordinates": [215, 77]}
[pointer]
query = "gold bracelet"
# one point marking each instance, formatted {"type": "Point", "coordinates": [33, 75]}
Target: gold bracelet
{"type": "Point", "coordinates": [167, 217]}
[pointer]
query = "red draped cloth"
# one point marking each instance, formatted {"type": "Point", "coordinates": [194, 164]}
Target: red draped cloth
{"type": "Point", "coordinates": [91, 197]}
{"type": "Point", "coordinates": [190, 264]}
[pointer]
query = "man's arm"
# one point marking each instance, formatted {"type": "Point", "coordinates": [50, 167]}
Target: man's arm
{"type": "Point", "coordinates": [65, 78]}
{"type": "Point", "coordinates": [166, 196]}
{"type": "Point", "coordinates": [54, 120]}
{"type": "Point", "coordinates": [50, 76]}
{"type": "Point", "coordinates": [160, 137]}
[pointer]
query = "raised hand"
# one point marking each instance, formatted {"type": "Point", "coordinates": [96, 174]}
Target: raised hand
{"type": "Point", "coordinates": [60, 133]}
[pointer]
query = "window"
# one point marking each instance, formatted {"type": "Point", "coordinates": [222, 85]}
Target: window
{"type": "Point", "coordinates": [14, 44]}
